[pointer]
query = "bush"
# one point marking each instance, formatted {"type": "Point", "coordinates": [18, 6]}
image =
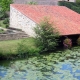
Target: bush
{"type": "Point", "coordinates": [6, 21]}
{"type": "Point", "coordinates": [78, 41]}
{"type": "Point", "coordinates": [64, 3]}
{"type": "Point", "coordinates": [77, 9]}
{"type": "Point", "coordinates": [3, 15]}
{"type": "Point", "coordinates": [71, 5]}
{"type": "Point", "coordinates": [33, 51]}
{"type": "Point", "coordinates": [23, 50]}
{"type": "Point", "coordinates": [5, 5]}
{"type": "Point", "coordinates": [67, 43]}
{"type": "Point", "coordinates": [46, 36]}
{"type": "Point", "coordinates": [7, 25]}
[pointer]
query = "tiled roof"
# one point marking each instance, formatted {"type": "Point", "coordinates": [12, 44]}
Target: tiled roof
{"type": "Point", "coordinates": [66, 21]}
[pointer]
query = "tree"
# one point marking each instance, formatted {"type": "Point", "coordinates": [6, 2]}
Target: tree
{"type": "Point", "coordinates": [46, 36]}
{"type": "Point", "coordinates": [5, 5]}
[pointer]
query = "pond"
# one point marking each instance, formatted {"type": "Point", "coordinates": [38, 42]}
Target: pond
{"type": "Point", "coordinates": [44, 67]}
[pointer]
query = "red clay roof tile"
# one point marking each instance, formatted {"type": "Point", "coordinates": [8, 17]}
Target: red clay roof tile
{"type": "Point", "coordinates": [66, 21]}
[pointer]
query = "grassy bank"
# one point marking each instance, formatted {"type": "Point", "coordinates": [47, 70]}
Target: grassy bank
{"type": "Point", "coordinates": [10, 47]}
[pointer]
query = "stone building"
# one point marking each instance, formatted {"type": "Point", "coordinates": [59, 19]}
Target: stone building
{"type": "Point", "coordinates": [25, 17]}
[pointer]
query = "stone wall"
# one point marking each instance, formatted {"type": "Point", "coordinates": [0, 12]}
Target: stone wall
{"type": "Point", "coordinates": [11, 36]}
{"type": "Point", "coordinates": [20, 21]}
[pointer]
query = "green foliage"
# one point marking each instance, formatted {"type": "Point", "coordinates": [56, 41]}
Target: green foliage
{"type": "Point", "coordinates": [18, 48]}
{"type": "Point", "coordinates": [5, 5]}
{"type": "Point", "coordinates": [78, 41]}
{"type": "Point", "coordinates": [3, 15]}
{"type": "Point", "coordinates": [46, 36]}
{"type": "Point", "coordinates": [6, 25]}
{"type": "Point", "coordinates": [6, 21]}
{"type": "Point", "coordinates": [32, 3]}
{"type": "Point", "coordinates": [1, 31]}
{"type": "Point", "coordinates": [13, 44]}
{"type": "Point", "coordinates": [78, 1]}
{"type": "Point", "coordinates": [71, 5]}
{"type": "Point", "coordinates": [33, 51]}
{"type": "Point", "coordinates": [24, 51]}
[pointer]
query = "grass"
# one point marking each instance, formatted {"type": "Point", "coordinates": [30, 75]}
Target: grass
{"type": "Point", "coordinates": [1, 31]}
{"type": "Point", "coordinates": [1, 24]}
{"type": "Point", "coordinates": [10, 46]}
{"type": "Point", "coordinates": [78, 1]}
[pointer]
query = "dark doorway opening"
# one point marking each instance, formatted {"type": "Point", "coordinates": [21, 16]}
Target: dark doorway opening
{"type": "Point", "coordinates": [72, 37]}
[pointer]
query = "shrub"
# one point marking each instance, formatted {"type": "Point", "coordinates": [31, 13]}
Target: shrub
{"type": "Point", "coordinates": [67, 43]}
{"type": "Point", "coordinates": [34, 51]}
{"type": "Point", "coordinates": [46, 36]}
{"type": "Point", "coordinates": [7, 25]}
{"type": "Point", "coordinates": [78, 41]}
{"type": "Point", "coordinates": [23, 50]}
{"type": "Point", "coordinates": [71, 5]}
{"type": "Point", "coordinates": [3, 15]}
{"type": "Point", "coordinates": [6, 21]}
{"type": "Point", "coordinates": [5, 5]}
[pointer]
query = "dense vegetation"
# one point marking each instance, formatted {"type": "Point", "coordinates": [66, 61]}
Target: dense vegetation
{"type": "Point", "coordinates": [5, 5]}
{"type": "Point", "coordinates": [46, 36]}
{"type": "Point", "coordinates": [4, 13]}
{"type": "Point", "coordinates": [71, 5]}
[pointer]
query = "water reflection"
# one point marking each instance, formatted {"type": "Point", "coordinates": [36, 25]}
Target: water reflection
{"type": "Point", "coordinates": [41, 69]}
